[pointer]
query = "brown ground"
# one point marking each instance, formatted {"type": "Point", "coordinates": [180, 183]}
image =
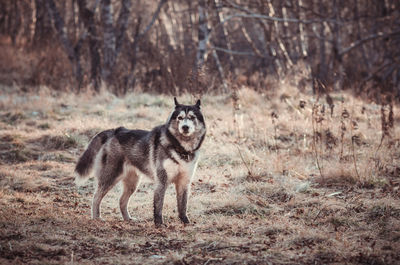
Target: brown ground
{"type": "Point", "coordinates": [258, 195]}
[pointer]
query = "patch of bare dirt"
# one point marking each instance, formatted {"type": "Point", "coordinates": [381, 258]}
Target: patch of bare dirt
{"type": "Point", "coordinates": [258, 196]}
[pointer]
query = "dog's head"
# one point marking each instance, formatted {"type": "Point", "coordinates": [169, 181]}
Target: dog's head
{"type": "Point", "coordinates": [186, 121]}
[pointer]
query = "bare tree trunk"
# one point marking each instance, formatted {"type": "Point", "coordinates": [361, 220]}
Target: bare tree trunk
{"type": "Point", "coordinates": [72, 53]}
{"type": "Point", "coordinates": [224, 31]}
{"type": "Point", "coordinates": [113, 36]}
{"type": "Point", "coordinates": [323, 67]}
{"type": "Point", "coordinates": [174, 26]}
{"type": "Point", "coordinates": [122, 23]}
{"type": "Point", "coordinates": [338, 64]}
{"type": "Point", "coordinates": [15, 24]}
{"type": "Point", "coordinates": [201, 56]}
{"type": "Point", "coordinates": [279, 39]}
{"type": "Point", "coordinates": [246, 35]}
{"type": "Point", "coordinates": [42, 34]}
{"type": "Point", "coordinates": [109, 40]}
{"type": "Point", "coordinates": [358, 26]}
{"type": "Point", "coordinates": [3, 17]}
{"type": "Point", "coordinates": [220, 70]}
{"type": "Point", "coordinates": [32, 21]}
{"type": "Point", "coordinates": [87, 16]}
{"type": "Point", "coordinates": [268, 33]}
{"type": "Point", "coordinates": [190, 31]}
{"type": "Point", "coordinates": [303, 40]}
{"type": "Point", "coordinates": [168, 28]}
{"type": "Point", "coordinates": [137, 38]}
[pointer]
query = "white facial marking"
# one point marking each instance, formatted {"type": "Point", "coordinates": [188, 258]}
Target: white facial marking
{"type": "Point", "coordinates": [186, 123]}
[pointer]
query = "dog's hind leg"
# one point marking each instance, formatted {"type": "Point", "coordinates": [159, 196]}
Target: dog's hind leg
{"type": "Point", "coordinates": [108, 177]}
{"type": "Point", "coordinates": [130, 182]}
{"type": "Point", "coordinates": [101, 191]}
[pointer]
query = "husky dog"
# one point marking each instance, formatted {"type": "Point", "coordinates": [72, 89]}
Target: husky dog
{"type": "Point", "coordinates": [167, 154]}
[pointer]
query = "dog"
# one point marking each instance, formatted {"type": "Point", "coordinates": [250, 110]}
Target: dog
{"type": "Point", "coordinates": [167, 154]}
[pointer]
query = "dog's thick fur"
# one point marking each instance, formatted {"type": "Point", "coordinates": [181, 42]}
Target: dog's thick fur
{"type": "Point", "coordinates": [167, 154]}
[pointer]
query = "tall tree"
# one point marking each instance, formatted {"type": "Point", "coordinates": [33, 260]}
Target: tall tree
{"type": "Point", "coordinates": [201, 55]}
{"type": "Point", "coordinates": [42, 33]}
{"type": "Point", "coordinates": [72, 52]}
{"type": "Point", "coordinates": [87, 16]}
{"type": "Point", "coordinates": [113, 35]}
{"type": "Point", "coordinates": [109, 39]}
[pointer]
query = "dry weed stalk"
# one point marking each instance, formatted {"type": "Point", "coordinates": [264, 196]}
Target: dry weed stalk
{"type": "Point", "coordinates": [317, 118]}
{"type": "Point", "coordinates": [329, 100]}
{"type": "Point", "coordinates": [345, 115]}
{"type": "Point", "coordinates": [387, 123]}
{"type": "Point", "coordinates": [354, 127]}
{"type": "Point", "coordinates": [235, 110]}
{"type": "Point", "coordinates": [274, 117]}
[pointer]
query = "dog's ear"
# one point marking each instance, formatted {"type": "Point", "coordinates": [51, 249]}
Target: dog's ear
{"type": "Point", "coordinates": [198, 103]}
{"type": "Point", "coordinates": [176, 102]}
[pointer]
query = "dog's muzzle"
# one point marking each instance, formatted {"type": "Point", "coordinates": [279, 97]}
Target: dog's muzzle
{"type": "Point", "coordinates": [185, 129]}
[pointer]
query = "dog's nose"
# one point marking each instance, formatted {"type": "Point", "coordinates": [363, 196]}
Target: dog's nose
{"type": "Point", "coordinates": [185, 128]}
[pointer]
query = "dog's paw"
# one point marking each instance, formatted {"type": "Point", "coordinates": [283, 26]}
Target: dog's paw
{"type": "Point", "coordinates": [97, 220]}
{"type": "Point", "coordinates": [130, 219]}
{"type": "Point", "coordinates": [158, 221]}
{"type": "Point", "coordinates": [161, 226]}
{"type": "Point", "coordinates": [185, 219]}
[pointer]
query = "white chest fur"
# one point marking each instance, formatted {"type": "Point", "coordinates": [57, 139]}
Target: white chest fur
{"type": "Point", "coordinates": [181, 171]}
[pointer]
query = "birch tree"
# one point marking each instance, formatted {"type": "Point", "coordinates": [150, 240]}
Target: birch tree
{"type": "Point", "coordinates": [109, 39]}
{"type": "Point", "coordinates": [113, 35]}
{"type": "Point", "coordinates": [201, 55]}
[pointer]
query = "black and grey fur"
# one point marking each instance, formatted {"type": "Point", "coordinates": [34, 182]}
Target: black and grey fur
{"type": "Point", "coordinates": [167, 154]}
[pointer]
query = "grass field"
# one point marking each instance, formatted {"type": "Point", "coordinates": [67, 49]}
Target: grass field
{"type": "Point", "coordinates": [281, 180]}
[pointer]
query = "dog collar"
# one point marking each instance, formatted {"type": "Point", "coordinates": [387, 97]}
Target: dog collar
{"type": "Point", "coordinates": [187, 156]}
{"type": "Point", "coordinates": [177, 147]}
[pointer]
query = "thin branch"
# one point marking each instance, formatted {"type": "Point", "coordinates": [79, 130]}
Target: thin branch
{"type": "Point", "coordinates": [368, 38]}
{"type": "Point", "coordinates": [122, 24]}
{"type": "Point", "coordinates": [274, 19]}
{"type": "Point", "coordinates": [317, 36]}
{"type": "Point", "coordinates": [278, 19]}
{"type": "Point", "coordinates": [220, 70]}
{"type": "Point", "coordinates": [373, 74]}
{"type": "Point", "coordinates": [153, 19]}
{"type": "Point", "coordinates": [233, 52]}
{"type": "Point", "coordinates": [250, 41]}
{"type": "Point", "coordinates": [252, 15]}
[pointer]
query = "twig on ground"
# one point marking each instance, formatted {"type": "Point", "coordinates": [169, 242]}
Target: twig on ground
{"type": "Point", "coordinates": [244, 162]}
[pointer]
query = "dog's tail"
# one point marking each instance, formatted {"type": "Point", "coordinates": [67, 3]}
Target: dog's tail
{"type": "Point", "coordinates": [86, 161]}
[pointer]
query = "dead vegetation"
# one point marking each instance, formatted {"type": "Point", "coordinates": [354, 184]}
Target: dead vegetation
{"type": "Point", "coordinates": [283, 179]}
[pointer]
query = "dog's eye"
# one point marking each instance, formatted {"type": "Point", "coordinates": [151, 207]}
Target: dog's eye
{"type": "Point", "coordinates": [191, 118]}
{"type": "Point", "coordinates": [180, 118]}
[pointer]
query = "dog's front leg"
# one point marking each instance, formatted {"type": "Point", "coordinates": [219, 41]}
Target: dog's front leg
{"type": "Point", "coordinates": [182, 195]}
{"type": "Point", "coordinates": [159, 194]}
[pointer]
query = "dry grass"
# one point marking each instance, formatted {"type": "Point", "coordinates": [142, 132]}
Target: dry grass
{"type": "Point", "coordinates": [259, 196]}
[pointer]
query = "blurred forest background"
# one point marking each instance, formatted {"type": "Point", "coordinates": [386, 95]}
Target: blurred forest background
{"type": "Point", "coordinates": [201, 46]}
{"type": "Point", "coordinates": [301, 163]}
